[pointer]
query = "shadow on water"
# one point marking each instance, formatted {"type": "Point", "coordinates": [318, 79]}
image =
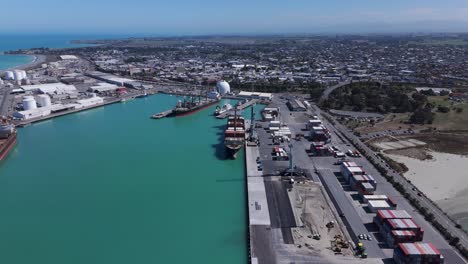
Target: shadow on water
{"type": "Point", "coordinates": [219, 148]}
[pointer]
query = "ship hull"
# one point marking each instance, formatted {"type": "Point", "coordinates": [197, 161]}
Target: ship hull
{"type": "Point", "coordinates": [193, 110]}
{"type": "Point", "coordinates": [7, 146]}
{"type": "Point", "coordinates": [232, 151]}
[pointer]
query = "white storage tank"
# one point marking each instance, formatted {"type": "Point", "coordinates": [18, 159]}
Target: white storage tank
{"type": "Point", "coordinates": [43, 100]}
{"type": "Point", "coordinates": [223, 87]}
{"type": "Point", "coordinates": [29, 103]}
{"type": "Point", "coordinates": [9, 75]}
{"type": "Point", "coordinates": [18, 75]}
{"type": "Point", "coordinates": [23, 75]}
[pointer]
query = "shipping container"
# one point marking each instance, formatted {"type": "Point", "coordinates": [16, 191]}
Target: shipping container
{"type": "Point", "coordinates": [417, 253]}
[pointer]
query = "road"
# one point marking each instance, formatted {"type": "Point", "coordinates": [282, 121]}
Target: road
{"type": "Point", "coordinates": [431, 233]}
{"type": "Point", "coordinates": [330, 89]}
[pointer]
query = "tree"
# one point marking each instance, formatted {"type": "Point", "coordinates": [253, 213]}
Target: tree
{"type": "Point", "coordinates": [443, 109]}
{"type": "Point", "coordinates": [444, 93]}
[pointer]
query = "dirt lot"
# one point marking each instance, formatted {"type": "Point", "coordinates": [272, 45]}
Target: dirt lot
{"type": "Point", "coordinates": [453, 143]}
{"type": "Point", "coordinates": [312, 210]}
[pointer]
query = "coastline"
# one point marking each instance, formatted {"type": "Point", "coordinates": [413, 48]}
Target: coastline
{"type": "Point", "coordinates": [35, 62]}
{"type": "Point", "coordinates": [451, 193]}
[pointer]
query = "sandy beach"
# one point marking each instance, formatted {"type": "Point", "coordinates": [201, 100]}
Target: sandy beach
{"type": "Point", "coordinates": [444, 179]}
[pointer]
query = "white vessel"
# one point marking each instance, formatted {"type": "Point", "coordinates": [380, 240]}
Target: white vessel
{"type": "Point", "coordinates": [222, 110]}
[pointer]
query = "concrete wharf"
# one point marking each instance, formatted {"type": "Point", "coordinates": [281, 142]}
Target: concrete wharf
{"type": "Point", "coordinates": [239, 108]}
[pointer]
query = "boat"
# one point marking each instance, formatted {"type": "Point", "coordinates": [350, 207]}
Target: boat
{"type": "Point", "coordinates": [221, 110]}
{"type": "Point", "coordinates": [7, 139]}
{"type": "Point", "coordinates": [187, 107]}
{"type": "Point", "coordinates": [234, 135]}
{"type": "Point", "coordinates": [145, 94]}
{"type": "Point", "coordinates": [123, 100]}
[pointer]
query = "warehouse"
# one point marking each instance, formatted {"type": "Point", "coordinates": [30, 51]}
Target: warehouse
{"type": "Point", "coordinates": [296, 106]}
{"type": "Point", "coordinates": [255, 95]}
{"type": "Point", "coordinates": [50, 88]}
{"type": "Point", "coordinates": [417, 253]}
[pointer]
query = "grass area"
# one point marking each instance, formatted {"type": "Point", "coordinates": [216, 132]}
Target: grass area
{"type": "Point", "coordinates": [452, 120]}
{"type": "Point", "coordinates": [440, 100]}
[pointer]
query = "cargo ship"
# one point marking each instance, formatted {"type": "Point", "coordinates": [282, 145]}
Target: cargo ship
{"type": "Point", "coordinates": [188, 107]}
{"type": "Point", "coordinates": [7, 139]}
{"type": "Point", "coordinates": [234, 135]}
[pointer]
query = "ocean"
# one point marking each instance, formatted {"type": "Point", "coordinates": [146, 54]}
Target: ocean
{"type": "Point", "coordinates": [15, 42]}
{"type": "Point", "coordinates": [111, 185]}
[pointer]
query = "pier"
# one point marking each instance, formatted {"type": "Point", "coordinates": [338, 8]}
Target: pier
{"type": "Point", "coordinates": [239, 108]}
{"type": "Point", "coordinates": [162, 114]}
{"type": "Point", "coordinates": [258, 213]}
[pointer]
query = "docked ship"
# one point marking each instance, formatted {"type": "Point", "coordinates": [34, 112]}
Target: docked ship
{"type": "Point", "coordinates": [221, 110]}
{"type": "Point", "coordinates": [7, 139]}
{"type": "Point", "coordinates": [234, 135]}
{"type": "Point", "coordinates": [187, 107]}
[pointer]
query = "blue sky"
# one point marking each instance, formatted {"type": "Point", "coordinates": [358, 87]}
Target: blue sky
{"type": "Point", "coordinates": [183, 17]}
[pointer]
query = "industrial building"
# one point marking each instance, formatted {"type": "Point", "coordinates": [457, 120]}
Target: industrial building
{"type": "Point", "coordinates": [296, 106]}
{"type": "Point", "coordinates": [31, 111]}
{"type": "Point", "coordinates": [50, 88]}
{"type": "Point", "coordinates": [68, 57]}
{"type": "Point", "coordinates": [417, 253]}
{"type": "Point", "coordinates": [255, 95]}
{"type": "Point", "coordinates": [113, 79]}
{"type": "Point", "coordinates": [103, 87]}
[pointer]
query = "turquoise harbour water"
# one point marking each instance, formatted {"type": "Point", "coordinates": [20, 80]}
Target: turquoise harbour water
{"type": "Point", "coordinates": [111, 185]}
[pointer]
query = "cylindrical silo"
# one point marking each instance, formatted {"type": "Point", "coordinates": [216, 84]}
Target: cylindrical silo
{"type": "Point", "coordinates": [18, 75]}
{"type": "Point", "coordinates": [29, 103]}
{"type": "Point", "coordinates": [23, 74]}
{"type": "Point", "coordinates": [43, 100]}
{"type": "Point", "coordinates": [9, 75]}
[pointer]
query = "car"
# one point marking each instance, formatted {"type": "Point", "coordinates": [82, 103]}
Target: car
{"type": "Point", "coordinates": [361, 236]}
{"type": "Point", "coordinates": [368, 237]}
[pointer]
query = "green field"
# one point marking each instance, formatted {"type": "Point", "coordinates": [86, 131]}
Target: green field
{"type": "Point", "coordinates": [451, 120]}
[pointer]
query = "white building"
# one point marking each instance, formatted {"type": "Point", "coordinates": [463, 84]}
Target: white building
{"type": "Point", "coordinates": [255, 95]}
{"type": "Point", "coordinates": [50, 88]}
